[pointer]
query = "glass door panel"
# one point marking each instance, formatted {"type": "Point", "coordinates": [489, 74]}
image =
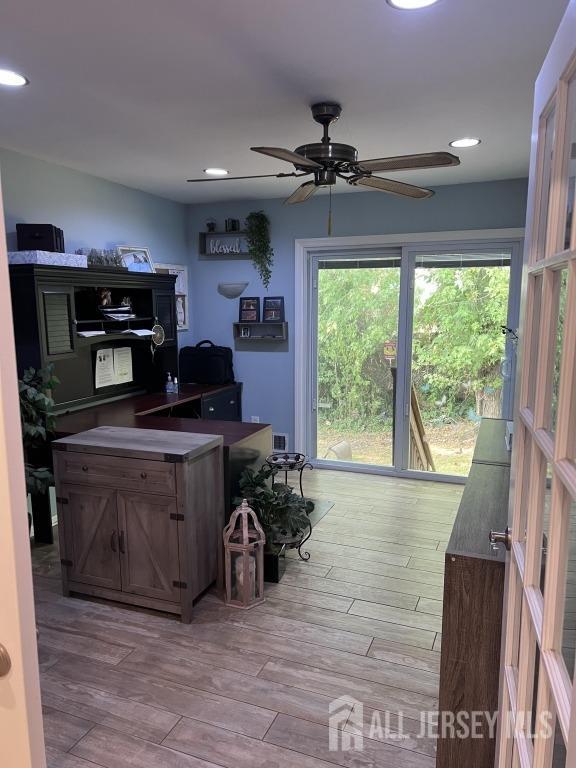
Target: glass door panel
{"type": "Point", "coordinates": [357, 335]}
{"type": "Point", "coordinates": [458, 354]}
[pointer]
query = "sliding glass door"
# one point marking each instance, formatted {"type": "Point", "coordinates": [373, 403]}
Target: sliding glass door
{"type": "Point", "coordinates": [459, 354]}
{"type": "Point", "coordinates": [357, 336]}
{"type": "Point", "coordinates": [409, 351]}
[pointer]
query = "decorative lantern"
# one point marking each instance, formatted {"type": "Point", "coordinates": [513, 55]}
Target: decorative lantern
{"type": "Point", "coordinates": [244, 542]}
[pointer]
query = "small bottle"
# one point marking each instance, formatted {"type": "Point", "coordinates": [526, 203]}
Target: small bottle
{"type": "Point", "coordinates": [169, 384]}
{"type": "Point", "coordinates": [175, 385]}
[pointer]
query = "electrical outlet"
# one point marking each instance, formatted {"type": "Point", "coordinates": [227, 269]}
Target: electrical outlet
{"type": "Point", "coordinates": [255, 419]}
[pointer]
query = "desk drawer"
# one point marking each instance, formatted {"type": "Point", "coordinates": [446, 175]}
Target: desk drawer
{"type": "Point", "coordinates": [117, 472]}
{"type": "Point", "coordinates": [224, 406]}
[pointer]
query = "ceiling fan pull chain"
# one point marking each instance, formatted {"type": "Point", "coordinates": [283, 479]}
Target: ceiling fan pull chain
{"type": "Point", "coordinates": [330, 212]}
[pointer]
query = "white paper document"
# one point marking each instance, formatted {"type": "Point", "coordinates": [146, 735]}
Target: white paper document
{"type": "Point", "coordinates": [122, 365]}
{"type": "Point", "coordinates": [139, 331]}
{"type": "Point", "coordinates": [104, 375]}
{"type": "Point", "coordinates": [88, 334]}
{"type": "Point", "coordinates": [113, 366]}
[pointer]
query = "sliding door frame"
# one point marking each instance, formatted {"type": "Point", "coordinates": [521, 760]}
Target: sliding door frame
{"type": "Point", "coordinates": [307, 255]}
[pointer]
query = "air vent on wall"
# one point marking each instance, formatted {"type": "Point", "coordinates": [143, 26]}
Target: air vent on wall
{"type": "Point", "coordinates": [280, 441]}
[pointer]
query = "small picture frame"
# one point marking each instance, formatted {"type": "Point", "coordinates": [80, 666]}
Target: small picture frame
{"type": "Point", "coordinates": [244, 332]}
{"type": "Point", "coordinates": [249, 309]}
{"type": "Point", "coordinates": [135, 259]}
{"type": "Point", "coordinates": [273, 309]}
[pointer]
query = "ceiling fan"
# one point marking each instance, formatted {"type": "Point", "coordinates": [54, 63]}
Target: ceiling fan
{"type": "Point", "coordinates": [329, 161]}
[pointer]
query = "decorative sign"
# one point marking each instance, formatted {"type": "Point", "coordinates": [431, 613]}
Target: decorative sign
{"type": "Point", "coordinates": [390, 349]}
{"type": "Point", "coordinates": [223, 244]}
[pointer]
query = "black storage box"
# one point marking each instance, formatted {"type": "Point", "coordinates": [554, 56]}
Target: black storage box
{"type": "Point", "coordinates": [40, 237]}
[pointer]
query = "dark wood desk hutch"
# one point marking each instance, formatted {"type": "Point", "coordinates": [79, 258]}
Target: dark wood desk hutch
{"type": "Point", "coordinates": [53, 305]}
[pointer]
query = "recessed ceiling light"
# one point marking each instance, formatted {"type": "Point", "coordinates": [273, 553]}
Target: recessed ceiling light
{"type": "Point", "coordinates": [12, 79]}
{"type": "Point", "coordinates": [467, 141]}
{"type": "Point", "coordinates": [410, 5]}
{"type": "Point", "coordinates": [216, 171]}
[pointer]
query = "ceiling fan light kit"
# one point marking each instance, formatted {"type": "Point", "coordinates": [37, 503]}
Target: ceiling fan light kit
{"type": "Point", "coordinates": [328, 161]}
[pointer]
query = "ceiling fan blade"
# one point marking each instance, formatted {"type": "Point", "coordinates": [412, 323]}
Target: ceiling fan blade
{"type": "Point", "coordinates": [410, 162]}
{"type": "Point", "coordinates": [260, 176]}
{"type": "Point", "coordinates": [287, 155]}
{"type": "Point", "coordinates": [394, 187]}
{"type": "Point", "coordinates": [302, 194]}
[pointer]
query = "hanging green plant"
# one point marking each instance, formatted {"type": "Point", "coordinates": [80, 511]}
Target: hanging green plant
{"type": "Point", "coordinates": [259, 248]}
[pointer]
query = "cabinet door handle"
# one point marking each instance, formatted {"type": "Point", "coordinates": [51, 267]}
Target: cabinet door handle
{"type": "Point", "coordinates": [84, 468]}
{"type": "Point", "coordinates": [143, 475]}
{"type": "Point", "coordinates": [122, 549]}
{"type": "Point", "coordinates": [211, 409]}
{"type": "Point", "coordinates": [113, 542]}
{"type": "Point", "coordinates": [232, 402]}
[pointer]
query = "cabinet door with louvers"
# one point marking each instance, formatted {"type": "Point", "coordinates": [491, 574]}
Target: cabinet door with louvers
{"type": "Point", "coordinates": [56, 312]}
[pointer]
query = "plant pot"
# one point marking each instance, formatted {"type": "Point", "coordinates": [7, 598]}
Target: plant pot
{"type": "Point", "coordinates": [42, 516]}
{"type": "Point", "coordinates": [274, 563]}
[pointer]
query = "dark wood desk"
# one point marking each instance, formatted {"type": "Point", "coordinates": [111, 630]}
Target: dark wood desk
{"type": "Point", "coordinates": [245, 445]}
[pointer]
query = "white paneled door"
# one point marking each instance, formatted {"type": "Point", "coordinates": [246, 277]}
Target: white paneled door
{"type": "Point", "coordinates": [537, 725]}
{"type": "Point", "coordinates": [21, 735]}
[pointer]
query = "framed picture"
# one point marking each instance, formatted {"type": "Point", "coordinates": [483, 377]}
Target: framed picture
{"type": "Point", "coordinates": [245, 332]}
{"type": "Point", "coordinates": [273, 309]}
{"type": "Point", "coordinates": [135, 259]}
{"type": "Point", "coordinates": [181, 289]}
{"type": "Point", "coordinates": [249, 309]}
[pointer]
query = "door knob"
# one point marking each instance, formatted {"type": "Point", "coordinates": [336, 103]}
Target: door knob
{"type": "Point", "coordinates": [5, 661]}
{"type": "Point", "coordinates": [502, 537]}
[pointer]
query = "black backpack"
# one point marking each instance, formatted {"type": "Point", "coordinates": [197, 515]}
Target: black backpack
{"type": "Point", "coordinates": [206, 364]}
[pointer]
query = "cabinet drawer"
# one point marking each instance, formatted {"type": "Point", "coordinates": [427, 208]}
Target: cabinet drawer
{"type": "Point", "coordinates": [114, 471]}
{"type": "Point", "coordinates": [224, 405]}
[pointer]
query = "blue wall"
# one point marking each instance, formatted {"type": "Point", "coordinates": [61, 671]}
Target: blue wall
{"type": "Point", "coordinates": [93, 213]}
{"type": "Point", "coordinates": [268, 377]}
{"type": "Point", "coordinates": [100, 214]}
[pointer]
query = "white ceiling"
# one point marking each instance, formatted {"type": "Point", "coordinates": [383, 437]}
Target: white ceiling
{"type": "Point", "coordinates": [149, 93]}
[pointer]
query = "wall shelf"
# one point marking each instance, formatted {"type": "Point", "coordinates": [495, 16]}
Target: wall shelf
{"type": "Point", "coordinates": [273, 332]}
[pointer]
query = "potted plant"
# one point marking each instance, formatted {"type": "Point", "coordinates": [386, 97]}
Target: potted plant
{"type": "Point", "coordinates": [259, 247]}
{"type": "Point", "coordinates": [282, 513]}
{"type": "Point", "coordinates": [36, 414]}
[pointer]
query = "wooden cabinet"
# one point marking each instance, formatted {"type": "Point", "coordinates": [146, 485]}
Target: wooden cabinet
{"type": "Point", "coordinates": [225, 405]}
{"type": "Point", "coordinates": [140, 515]}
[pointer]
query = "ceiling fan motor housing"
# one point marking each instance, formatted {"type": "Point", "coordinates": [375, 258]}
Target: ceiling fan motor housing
{"type": "Point", "coordinates": [332, 155]}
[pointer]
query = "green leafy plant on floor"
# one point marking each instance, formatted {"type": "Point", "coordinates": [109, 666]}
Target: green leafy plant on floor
{"type": "Point", "coordinates": [281, 512]}
{"type": "Point", "coordinates": [37, 417]}
{"type": "Point", "coordinates": [259, 247]}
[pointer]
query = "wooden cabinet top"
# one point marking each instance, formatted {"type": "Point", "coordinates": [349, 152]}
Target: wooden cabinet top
{"type": "Point", "coordinates": [151, 444]}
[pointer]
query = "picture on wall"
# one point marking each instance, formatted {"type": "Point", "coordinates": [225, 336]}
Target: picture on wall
{"type": "Point", "coordinates": [135, 259]}
{"type": "Point", "coordinates": [181, 289]}
{"type": "Point", "coordinates": [249, 309]}
{"type": "Point", "coordinates": [273, 309]}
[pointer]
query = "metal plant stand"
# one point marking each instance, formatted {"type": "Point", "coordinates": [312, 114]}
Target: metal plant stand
{"type": "Point", "coordinates": [292, 462]}
{"type": "Point", "coordinates": [289, 462]}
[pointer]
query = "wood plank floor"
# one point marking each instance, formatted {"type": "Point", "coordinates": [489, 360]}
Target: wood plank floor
{"type": "Point", "coordinates": [129, 689]}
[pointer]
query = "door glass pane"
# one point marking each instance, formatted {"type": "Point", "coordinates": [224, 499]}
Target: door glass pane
{"type": "Point", "coordinates": [563, 279]}
{"type": "Point", "coordinates": [356, 364]}
{"type": "Point", "coordinates": [535, 297]}
{"type": "Point", "coordinates": [460, 306]}
{"type": "Point", "coordinates": [571, 174]}
{"type": "Point", "coordinates": [569, 626]}
{"type": "Point", "coordinates": [547, 141]}
{"type": "Point", "coordinates": [559, 753]}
